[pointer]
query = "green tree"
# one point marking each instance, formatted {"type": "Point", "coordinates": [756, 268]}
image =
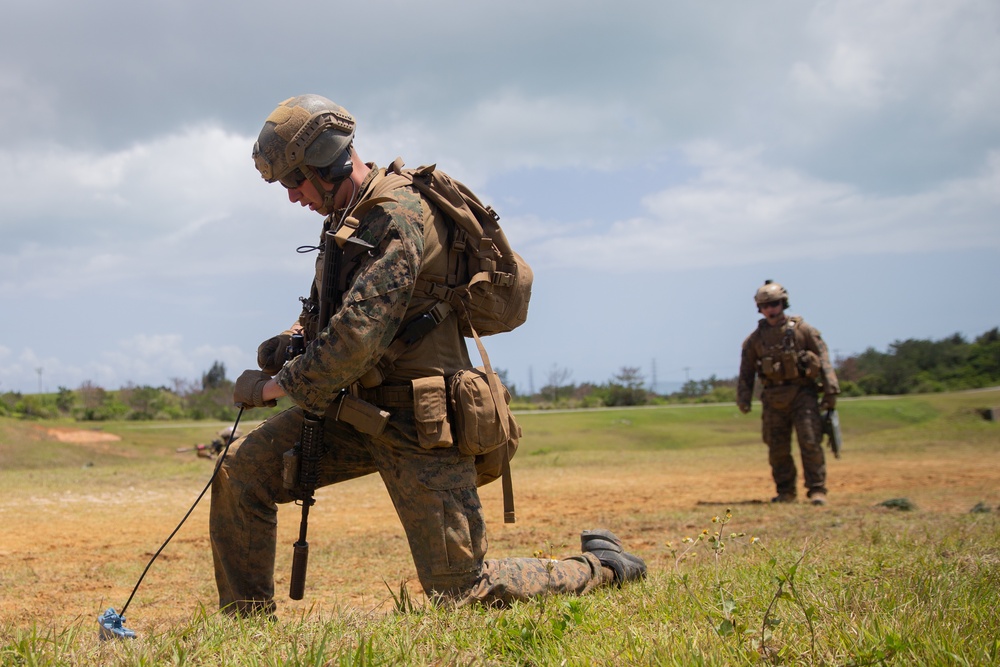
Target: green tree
{"type": "Point", "coordinates": [627, 388]}
{"type": "Point", "coordinates": [214, 377]}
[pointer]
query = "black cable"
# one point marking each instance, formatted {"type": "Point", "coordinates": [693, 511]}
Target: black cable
{"type": "Point", "coordinates": [211, 479]}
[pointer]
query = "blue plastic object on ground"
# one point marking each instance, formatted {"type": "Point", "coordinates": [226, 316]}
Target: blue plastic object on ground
{"type": "Point", "coordinates": [113, 626]}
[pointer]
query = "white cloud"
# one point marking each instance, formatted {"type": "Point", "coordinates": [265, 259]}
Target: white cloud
{"type": "Point", "coordinates": [741, 210]}
{"type": "Point", "coordinates": [139, 241]}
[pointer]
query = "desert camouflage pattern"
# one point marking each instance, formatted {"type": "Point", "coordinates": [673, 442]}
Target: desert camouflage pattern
{"type": "Point", "coordinates": [432, 490]}
{"type": "Point", "coordinates": [768, 340]}
{"type": "Point", "coordinates": [789, 404]}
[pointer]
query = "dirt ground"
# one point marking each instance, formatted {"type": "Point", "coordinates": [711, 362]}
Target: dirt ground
{"type": "Point", "coordinates": [67, 555]}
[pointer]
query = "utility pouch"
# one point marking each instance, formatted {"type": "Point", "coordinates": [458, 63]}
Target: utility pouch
{"type": "Point", "coordinates": [789, 365]}
{"type": "Point", "coordinates": [362, 415]}
{"type": "Point", "coordinates": [774, 368]}
{"type": "Point", "coordinates": [290, 469]}
{"type": "Point", "coordinates": [809, 364]}
{"type": "Point", "coordinates": [480, 424]}
{"type": "Point", "coordinates": [430, 410]}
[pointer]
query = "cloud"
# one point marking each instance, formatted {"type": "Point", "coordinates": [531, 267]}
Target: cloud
{"type": "Point", "coordinates": [616, 137]}
{"type": "Point", "coordinates": [741, 210]}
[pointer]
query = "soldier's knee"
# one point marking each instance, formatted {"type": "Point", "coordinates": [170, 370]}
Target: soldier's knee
{"type": "Point", "coordinates": [452, 587]}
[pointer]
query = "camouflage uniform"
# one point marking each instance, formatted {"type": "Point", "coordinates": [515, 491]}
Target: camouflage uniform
{"type": "Point", "coordinates": [790, 397]}
{"type": "Point", "coordinates": [432, 489]}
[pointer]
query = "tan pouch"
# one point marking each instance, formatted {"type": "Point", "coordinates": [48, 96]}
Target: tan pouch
{"type": "Point", "coordinates": [809, 364]}
{"type": "Point", "coordinates": [489, 466]}
{"type": "Point", "coordinates": [430, 408]}
{"type": "Point", "coordinates": [480, 424]}
{"type": "Point", "coordinates": [767, 368]}
{"type": "Point", "coordinates": [789, 365]}
{"type": "Point", "coordinates": [362, 415]}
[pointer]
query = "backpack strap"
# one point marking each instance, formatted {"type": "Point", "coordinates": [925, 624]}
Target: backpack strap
{"type": "Point", "coordinates": [496, 390]}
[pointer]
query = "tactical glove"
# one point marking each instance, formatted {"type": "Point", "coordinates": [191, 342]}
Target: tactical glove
{"type": "Point", "coordinates": [744, 407]}
{"type": "Point", "coordinates": [250, 388]}
{"type": "Point", "coordinates": [272, 353]}
{"type": "Point", "coordinates": [829, 402]}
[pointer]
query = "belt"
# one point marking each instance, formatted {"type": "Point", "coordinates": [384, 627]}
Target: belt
{"type": "Point", "coordinates": [388, 395]}
{"type": "Point", "coordinates": [802, 382]}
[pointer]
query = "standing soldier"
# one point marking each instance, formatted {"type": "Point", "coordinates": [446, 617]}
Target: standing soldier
{"type": "Point", "coordinates": [307, 145]}
{"type": "Point", "coordinates": [793, 364]}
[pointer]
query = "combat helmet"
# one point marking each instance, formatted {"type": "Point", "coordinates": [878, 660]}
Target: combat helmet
{"type": "Point", "coordinates": [771, 291]}
{"type": "Point", "coordinates": [225, 433]}
{"type": "Point", "coordinates": [307, 136]}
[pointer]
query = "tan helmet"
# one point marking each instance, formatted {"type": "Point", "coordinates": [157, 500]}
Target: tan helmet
{"type": "Point", "coordinates": [771, 291]}
{"type": "Point", "coordinates": [308, 133]}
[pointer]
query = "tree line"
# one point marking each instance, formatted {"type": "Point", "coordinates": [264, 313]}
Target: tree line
{"type": "Point", "coordinates": [906, 367]}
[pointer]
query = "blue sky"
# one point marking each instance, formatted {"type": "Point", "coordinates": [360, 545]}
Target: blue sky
{"type": "Point", "coordinates": [654, 161]}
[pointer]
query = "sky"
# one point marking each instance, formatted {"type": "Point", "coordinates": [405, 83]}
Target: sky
{"type": "Point", "coordinates": [654, 161]}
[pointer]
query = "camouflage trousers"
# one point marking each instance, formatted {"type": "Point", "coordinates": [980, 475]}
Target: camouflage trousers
{"type": "Point", "coordinates": [801, 412]}
{"type": "Point", "coordinates": [432, 490]}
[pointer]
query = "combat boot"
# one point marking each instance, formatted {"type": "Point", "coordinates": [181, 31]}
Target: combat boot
{"type": "Point", "coordinates": [817, 498]}
{"type": "Point", "coordinates": [784, 498]}
{"type": "Point", "coordinates": [608, 549]}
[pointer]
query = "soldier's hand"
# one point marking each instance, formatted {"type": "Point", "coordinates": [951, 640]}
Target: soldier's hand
{"type": "Point", "coordinates": [744, 407]}
{"type": "Point", "coordinates": [272, 353]}
{"type": "Point", "coordinates": [250, 389]}
{"type": "Point", "coordinates": [829, 402]}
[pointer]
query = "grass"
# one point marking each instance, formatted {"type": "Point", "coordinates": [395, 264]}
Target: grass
{"type": "Point", "coordinates": [738, 583]}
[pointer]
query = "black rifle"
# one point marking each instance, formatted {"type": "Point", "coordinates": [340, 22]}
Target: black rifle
{"type": "Point", "coordinates": [831, 429]}
{"type": "Point", "coordinates": [310, 452]}
{"type": "Point", "coordinates": [301, 464]}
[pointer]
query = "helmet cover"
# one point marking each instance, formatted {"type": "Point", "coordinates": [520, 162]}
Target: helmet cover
{"type": "Point", "coordinates": [307, 130]}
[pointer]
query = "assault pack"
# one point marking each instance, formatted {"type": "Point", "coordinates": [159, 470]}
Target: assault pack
{"type": "Point", "coordinates": [488, 287]}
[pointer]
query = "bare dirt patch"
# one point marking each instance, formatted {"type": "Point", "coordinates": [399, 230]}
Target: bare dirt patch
{"type": "Point", "coordinates": [68, 554]}
{"type": "Point", "coordinates": [81, 436]}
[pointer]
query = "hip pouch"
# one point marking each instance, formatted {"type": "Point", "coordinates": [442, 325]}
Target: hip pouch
{"type": "Point", "coordinates": [483, 422]}
{"type": "Point", "coordinates": [430, 411]}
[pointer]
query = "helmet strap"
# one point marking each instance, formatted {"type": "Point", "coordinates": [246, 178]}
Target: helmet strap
{"type": "Point", "coordinates": [328, 195]}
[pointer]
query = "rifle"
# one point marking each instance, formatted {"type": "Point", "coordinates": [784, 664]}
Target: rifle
{"type": "Point", "coordinates": [205, 451]}
{"type": "Point", "coordinates": [831, 429]}
{"type": "Point", "coordinates": [300, 467]}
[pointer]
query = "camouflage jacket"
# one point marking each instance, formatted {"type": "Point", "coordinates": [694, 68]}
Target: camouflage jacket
{"type": "Point", "coordinates": [769, 343]}
{"type": "Point", "coordinates": [410, 237]}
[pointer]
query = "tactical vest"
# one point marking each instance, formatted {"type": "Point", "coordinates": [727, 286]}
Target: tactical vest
{"type": "Point", "coordinates": [785, 362]}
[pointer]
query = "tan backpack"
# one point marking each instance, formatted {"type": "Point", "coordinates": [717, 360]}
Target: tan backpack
{"type": "Point", "coordinates": [488, 287]}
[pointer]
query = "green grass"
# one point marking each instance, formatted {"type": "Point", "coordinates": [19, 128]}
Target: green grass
{"type": "Point", "coordinates": [886, 595]}
{"type": "Point", "coordinates": [853, 584]}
